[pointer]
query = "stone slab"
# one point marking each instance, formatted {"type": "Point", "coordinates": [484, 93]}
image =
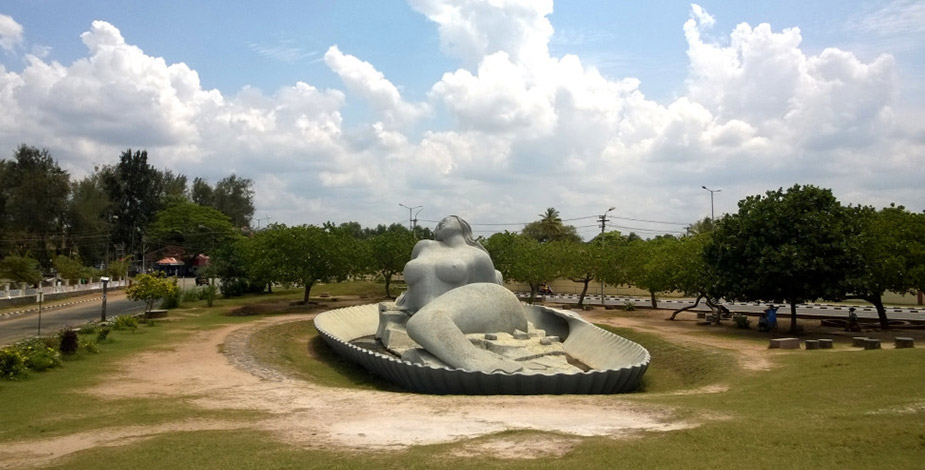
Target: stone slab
{"type": "Point", "coordinates": [811, 344]}
{"type": "Point", "coordinates": [871, 343]}
{"type": "Point", "coordinates": [903, 342]}
{"type": "Point", "coordinates": [785, 343]}
{"type": "Point", "coordinates": [826, 343]}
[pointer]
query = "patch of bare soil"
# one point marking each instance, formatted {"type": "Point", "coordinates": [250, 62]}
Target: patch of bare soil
{"type": "Point", "coordinates": [214, 370]}
{"type": "Point", "coordinates": [751, 355]}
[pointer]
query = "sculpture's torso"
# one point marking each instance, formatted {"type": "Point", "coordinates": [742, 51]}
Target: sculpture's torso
{"type": "Point", "coordinates": [436, 269]}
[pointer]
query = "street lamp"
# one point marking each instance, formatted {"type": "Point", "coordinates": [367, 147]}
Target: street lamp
{"type": "Point", "coordinates": [105, 281]}
{"type": "Point", "coordinates": [603, 221]}
{"type": "Point", "coordinates": [712, 217]}
{"type": "Point", "coordinates": [410, 217]}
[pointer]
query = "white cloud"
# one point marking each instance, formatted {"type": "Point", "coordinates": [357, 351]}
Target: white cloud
{"type": "Point", "coordinates": [10, 33]}
{"type": "Point", "coordinates": [473, 29]}
{"type": "Point", "coordinates": [364, 80]}
{"type": "Point", "coordinates": [511, 132]}
{"type": "Point", "coordinates": [894, 17]}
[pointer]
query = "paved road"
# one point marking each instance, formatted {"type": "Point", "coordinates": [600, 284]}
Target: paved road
{"type": "Point", "coordinates": [803, 310]}
{"type": "Point", "coordinates": [26, 325]}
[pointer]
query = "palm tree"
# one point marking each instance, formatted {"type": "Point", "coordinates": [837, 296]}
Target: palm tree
{"type": "Point", "coordinates": [550, 228]}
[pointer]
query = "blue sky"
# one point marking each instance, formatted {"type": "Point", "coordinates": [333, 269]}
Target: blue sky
{"type": "Point", "coordinates": [493, 110]}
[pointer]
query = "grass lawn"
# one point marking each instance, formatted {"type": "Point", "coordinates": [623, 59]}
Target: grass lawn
{"type": "Point", "coordinates": [819, 409]}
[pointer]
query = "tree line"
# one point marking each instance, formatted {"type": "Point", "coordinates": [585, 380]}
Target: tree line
{"type": "Point", "coordinates": [789, 246]}
{"type": "Point", "coordinates": [51, 223]}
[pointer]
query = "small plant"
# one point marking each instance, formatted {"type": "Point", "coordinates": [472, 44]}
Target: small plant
{"type": "Point", "coordinates": [12, 364]}
{"type": "Point", "coordinates": [190, 295]}
{"type": "Point", "coordinates": [208, 294]}
{"type": "Point", "coordinates": [102, 334]}
{"type": "Point", "coordinates": [153, 287]}
{"type": "Point", "coordinates": [125, 322]}
{"type": "Point", "coordinates": [629, 306]}
{"type": "Point", "coordinates": [741, 321]}
{"type": "Point", "coordinates": [89, 329]}
{"type": "Point", "coordinates": [42, 359]}
{"type": "Point", "coordinates": [171, 299]}
{"type": "Point", "coordinates": [69, 342]}
{"type": "Point", "coordinates": [90, 346]}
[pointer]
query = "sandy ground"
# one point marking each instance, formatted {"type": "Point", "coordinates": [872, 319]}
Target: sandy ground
{"type": "Point", "coordinates": [214, 370]}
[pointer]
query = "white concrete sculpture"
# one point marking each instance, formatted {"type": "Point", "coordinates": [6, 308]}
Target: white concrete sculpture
{"type": "Point", "coordinates": [457, 329]}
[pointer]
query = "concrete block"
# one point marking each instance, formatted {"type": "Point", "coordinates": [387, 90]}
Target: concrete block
{"type": "Point", "coordinates": [826, 344]}
{"type": "Point", "coordinates": [858, 341]}
{"type": "Point", "coordinates": [785, 343]}
{"type": "Point", "coordinates": [811, 344]}
{"type": "Point", "coordinates": [871, 343]}
{"type": "Point", "coordinates": [903, 342]}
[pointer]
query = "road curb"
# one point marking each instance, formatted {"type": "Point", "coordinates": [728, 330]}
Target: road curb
{"type": "Point", "coordinates": [17, 313]}
{"type": "Point", "coordinates": [753, 304]}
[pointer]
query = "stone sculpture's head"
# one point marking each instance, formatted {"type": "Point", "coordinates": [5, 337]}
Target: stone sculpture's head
{"type": "Point", "coordinates": [454, 225]}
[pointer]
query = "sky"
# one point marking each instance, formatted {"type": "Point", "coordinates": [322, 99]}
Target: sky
{"type": "Point", "coordinates": [493, 110]}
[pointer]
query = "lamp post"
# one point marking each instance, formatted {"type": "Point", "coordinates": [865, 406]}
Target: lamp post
{"type": "Point", "coordinates": [105, 281]}
{"type": "Point", "coordinates": [603, 220]}
{"type": "Point", "coordinates": [410, 217]}
{"type": "Point", "coordinates": [712, 216]}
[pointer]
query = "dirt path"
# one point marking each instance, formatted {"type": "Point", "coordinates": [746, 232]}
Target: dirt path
{"type": "Point", "coordinates": [751, 356]}
{"type": "Point", "coordinates": [214, 370]}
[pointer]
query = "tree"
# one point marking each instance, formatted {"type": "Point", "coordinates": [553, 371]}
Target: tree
{"type": "Point", "coordinates": [70, 268]}
{"type": "Point", "coordinates": [649, 265]}
{"type": "Point", "coordinates": [691, 274]}
{"type": "Point", "coordinates": [20, 269]}
{"type": "Point", "coordinates": [134, 188]}
{"type": "Point", "coordinates": [784, 246]}
{"type": "Point", "coordinates": [202, 193]}
{"type": "Point", "coordinates": [173, 187]}
{"type": "Point", "coordinates": [389, 252]}
{"type": "Point", "coordinates": [34, 192]}
{"type": "Point", "coordinates": [87, 224]}
{"type": "Point", "coordinates": [551, 228]}
{"type": "Point", "coordinates": [151, 288]}
{"type": "Point", "coordinates": [523, 259]}
{"type": "Point", "coordinates": [302, 256]}
{"type": "Point", "coordinates": [890, 249]}
{"type": "Point", "coordinates": [231, 264]}
{"type": "Point", "coordinates": [580, 264]}
{"type": "Point", "coordinates": [613, 265]}
{"type": "Point", "coordinates": [195, 228]}
{"type": "Point", "coordinates": [234, 197]}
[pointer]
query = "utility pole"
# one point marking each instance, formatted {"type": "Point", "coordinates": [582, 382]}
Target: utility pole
{"type": "Point", "coordinates": [603, 220]}
{"type": "Point", "coordinates": [712, 216]}
{"type": "Point", "coordinates": [411, 218]}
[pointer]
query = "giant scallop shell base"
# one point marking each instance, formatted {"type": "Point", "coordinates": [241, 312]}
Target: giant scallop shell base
{"type": "Point", "coordinates": [616, 363]}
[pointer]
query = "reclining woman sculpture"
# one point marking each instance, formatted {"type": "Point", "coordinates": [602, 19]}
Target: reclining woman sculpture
{"type": "Point", "coordinates": [454, 290]}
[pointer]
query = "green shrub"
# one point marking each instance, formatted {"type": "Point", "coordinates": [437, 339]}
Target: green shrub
{"type": "Point", "coordinates": [208, 294]}
{"type": "Point", "coordinates": [89, 329]}
{"type": "Point", "coordinates": [12, 364]}
{"type": "Point", "coordinates": [42, 359]}
{"type": "Point", "coordinates": [629, 306]}
{"type": "Point", "coordinates": [69, 342]}
{"type": "Point", "coordinates": [102, 334]}
{"type": "Point", "coordinates": [90, 346]}
{"type": "Point", "coordinates": [125, 322]}
{"type": "Point", "coordinates": [171, 300]}
{"type": "Point", "coordinates": [191, 295]}
{"type": "Point", "coordinates": [741, 321]}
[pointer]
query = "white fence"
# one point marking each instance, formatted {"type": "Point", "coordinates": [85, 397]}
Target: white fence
{"type": "Point", "coordinates": [8, 292]}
